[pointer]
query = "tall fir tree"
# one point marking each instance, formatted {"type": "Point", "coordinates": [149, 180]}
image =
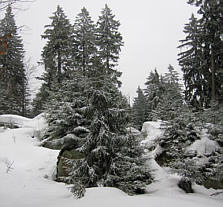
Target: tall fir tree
{"type": "Point", "coordinates": [139, 109]}
{"type": "Point", "coordinates": [109, 42]}
{"type": "Point", "coordinates": [57, 55]}
{"type": "Point", "coordinates": [84, 41]}
{"type": "Point", "coordinates": [172, 98]}
{"type": "Point", "coordinates": [13, 82]}
{"type": "Point", "coordinates": [112, 157]}
{"type": "Point", "coordinates": [153, 92]}
{"type": "Point", "coordinates": [202, 62]}
{"type": "Point", "coordinates": [66, 114]}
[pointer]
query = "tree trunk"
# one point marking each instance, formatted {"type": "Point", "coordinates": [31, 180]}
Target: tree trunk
{"type": "Point", "coordinates": [213, 88]}
{"type": "Point", "coordinates": [59, 67]}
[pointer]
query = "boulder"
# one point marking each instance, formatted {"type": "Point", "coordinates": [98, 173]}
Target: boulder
{"type": "Point", "coordinates": [164, 158]}
{"type": "Point", "coordinates": [186, 185]}
{"type": "Point", "coordinates": [65, 161]}
{"type": "Point", "coordinates": [57, 144]}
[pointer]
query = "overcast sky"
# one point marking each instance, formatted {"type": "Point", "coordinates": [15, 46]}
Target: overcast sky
{"type": "Point", "coordinates": [151, 31]}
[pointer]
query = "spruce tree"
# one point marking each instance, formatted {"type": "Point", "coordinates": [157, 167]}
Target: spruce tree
{"type": "Point", "coordinates": [65, 112]}
{"type": "Point", "coordinates": [172, 98]}
{"type": "Point", "coordinates": [211, 21]}
{"type": "Point", "coordinates": [13, 82]}
{"type": "Point", "coordinates": [197, 91]}
{"type": "Point", "coordinates": [112, 156]}
{"type": "Point", "coordinates": [84, 41]}
{"type": "Point", "coordinates": [57, 55]}
{"type": "Point", "coordinates": [139, 109]}
{"type": "Point", "coordinates": [202, 62]}
{"type": "Point", "coordinates": [109, 42]}
{"type": "Point", "coordinates": [153, 92]}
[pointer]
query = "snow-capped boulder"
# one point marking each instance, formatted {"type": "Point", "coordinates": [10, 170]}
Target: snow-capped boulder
{"type": "Point", "coordinates": [68, 140]}
{"type": "Point", "coordinates": [152, 129]}
{"type": "Point", "coordinates": [204, 146]}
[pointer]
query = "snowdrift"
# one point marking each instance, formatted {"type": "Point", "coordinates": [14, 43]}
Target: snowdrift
{"type": "Point", "coordinates": [26, 176]}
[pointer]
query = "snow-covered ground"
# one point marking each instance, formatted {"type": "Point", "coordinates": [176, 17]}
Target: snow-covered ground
{"type": "Point", "coordinates": [26, 172]}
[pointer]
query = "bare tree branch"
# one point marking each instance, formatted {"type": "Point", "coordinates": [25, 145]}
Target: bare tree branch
{"type": "Point", "coordinates": [5, 3]}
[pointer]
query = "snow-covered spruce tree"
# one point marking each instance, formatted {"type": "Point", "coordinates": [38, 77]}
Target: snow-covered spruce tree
{"type": "Point", "coordinates": [57, 55]}
{"type": "Point", "coordinates": [179, 133]}
{"type": "Point", "coordinates": [154, 91]}
{"type": "Point", "coordinates": [172, 99]}
{"type": "Point", "coordinates": [139, 109]}
{"type": "Point", "coordinates": [13, 82]}
{"type": "Point", "coordinates": [192, 60]}
{"type": "Point", "coordinates": [112, 157]}
{"type": "Point", "coordinates": [65, 111]}
{"type": "Point", "coordinates": [109, 42]}
{"type": "Point", "coordinates": [84, 41]}
{"type": "Point", "coordinates": [203, 65]}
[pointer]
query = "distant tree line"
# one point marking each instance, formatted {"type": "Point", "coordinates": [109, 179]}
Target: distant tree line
{"type": "Point", "coordinates": [161, 99]}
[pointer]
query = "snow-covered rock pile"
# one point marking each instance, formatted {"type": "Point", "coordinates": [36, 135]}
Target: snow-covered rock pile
{"type": "Point", "coordinates": [191, 151]}
{"type": "Point", "coordinates": [165, 176]}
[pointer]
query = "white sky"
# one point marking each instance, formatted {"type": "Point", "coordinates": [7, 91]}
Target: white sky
{"type": "Point", "coordinates": [151, 31]}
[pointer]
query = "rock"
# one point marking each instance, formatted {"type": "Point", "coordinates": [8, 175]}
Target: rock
{"type": "Point", "coordinates": [191, 153]}
{"type": "Point", "coordinates": [57, 144]}
{"type": "Point", "coordinates": [163, 159]}
{"type": "Point", "coordinates": [185, 184]}
{"type": "Point", "coordinates": [64, 162]}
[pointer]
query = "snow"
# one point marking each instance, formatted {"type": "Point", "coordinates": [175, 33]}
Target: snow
{"type": "Point", "coordinates": [152, 131]}
{"type": "Point", "coordinates": [27, 171]}
{"type": "Point", "coordinates": [38, 122]}
{"type": "Point", "coordinates": [204, 146]}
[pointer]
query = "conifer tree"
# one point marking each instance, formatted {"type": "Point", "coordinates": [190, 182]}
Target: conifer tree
{"type": "Point", "coordinates": [13, 82]}
{"type": "Point", "coordinates": [66, 113]}
{"type": "Point", "coordinates": [172, 99]}
{"type": "Point", "coordinates": [153, 92]}
{"type": "Point", "coordinates": [202, 62]}
{"type": "Point", "coordinates": [197, 91]}
{"type": "Point", "coordinates": [109, 42]}
{"type": "Point", "coordinates": [57, 55]}
{"type": "Point", "coordinates": [112, 157]}
{"type": "Point", "coordinates": [84, 41]}
{"type": "Point", "coordinates": [139, 109]}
